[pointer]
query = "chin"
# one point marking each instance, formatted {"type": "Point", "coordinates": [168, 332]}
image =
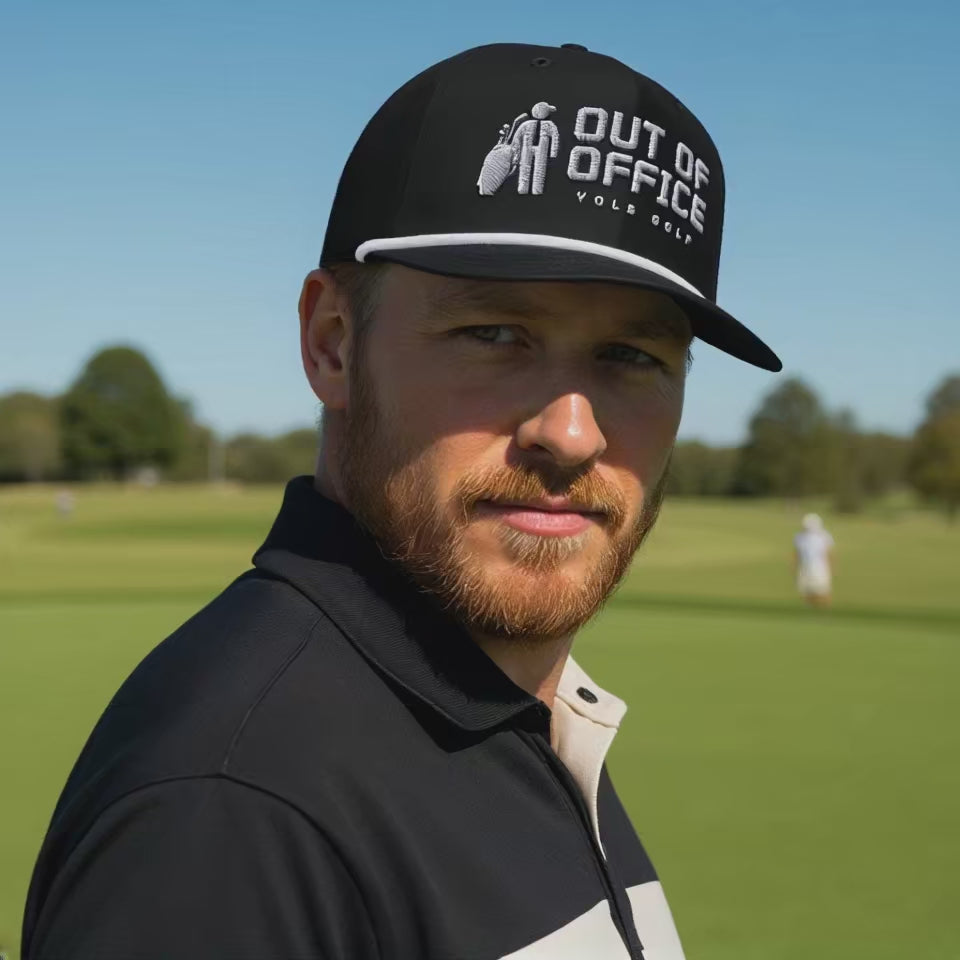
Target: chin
{"type": "Point", "coordinates": [536, 595]}
{"type": "Point", "coordinates": [526, 606]}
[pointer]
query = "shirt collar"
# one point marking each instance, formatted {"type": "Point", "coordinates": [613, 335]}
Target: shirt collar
{"type": "Point", "coordinates": [320, 549]}
{"type": "Point", "coordinates": [588, 700]}
{"type": "Point", "coordinates": [585, 721]}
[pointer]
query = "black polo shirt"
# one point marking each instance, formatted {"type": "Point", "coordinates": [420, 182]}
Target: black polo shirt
{"type": "Point", "coordinates": [322, 764]}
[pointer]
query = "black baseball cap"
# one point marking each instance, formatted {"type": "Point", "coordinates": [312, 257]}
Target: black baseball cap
{"type": "Point", "coordinates": [519, 162]}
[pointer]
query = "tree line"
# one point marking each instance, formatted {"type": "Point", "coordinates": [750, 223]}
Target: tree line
{"type": "Point", "coordinates": [795, 448]}
{"type": "Point", "coordinates": [118, 419]}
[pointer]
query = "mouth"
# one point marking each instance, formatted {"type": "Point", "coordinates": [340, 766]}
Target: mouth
{"type": "Point", "coordinates": [549, 517]}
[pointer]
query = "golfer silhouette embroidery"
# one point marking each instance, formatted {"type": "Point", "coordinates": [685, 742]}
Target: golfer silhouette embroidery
{"type": "Point", "coordinates": [525, 145]}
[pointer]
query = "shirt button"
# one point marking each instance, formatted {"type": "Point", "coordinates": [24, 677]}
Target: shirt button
{"type": "Point", "coordinates": [587, 695]}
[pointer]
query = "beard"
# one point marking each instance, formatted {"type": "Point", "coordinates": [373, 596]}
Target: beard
{"type": "Point", "coordinates": [391, 492]}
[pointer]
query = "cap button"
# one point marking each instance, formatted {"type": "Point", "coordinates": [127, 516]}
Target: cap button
{"type": "Point", "coordinates": [574, 46]}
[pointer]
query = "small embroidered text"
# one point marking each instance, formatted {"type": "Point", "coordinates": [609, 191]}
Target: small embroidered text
{"type": "Point", "coordinates": [677, 181]}
{"type": "Point", "coordinates": [668, 226]}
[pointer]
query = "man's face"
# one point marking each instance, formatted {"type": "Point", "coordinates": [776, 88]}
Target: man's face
{"type": "Point", "coordinates": [507, 442]}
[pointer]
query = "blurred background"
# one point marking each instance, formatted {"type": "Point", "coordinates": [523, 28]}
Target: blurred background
{"type": "Point", "coordinates": [165, 176]}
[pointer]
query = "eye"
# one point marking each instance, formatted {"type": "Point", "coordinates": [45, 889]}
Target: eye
{"type": "Point", "coordinates": [494, 333]}
{"type": "Point", "coordinates": [631, 356]}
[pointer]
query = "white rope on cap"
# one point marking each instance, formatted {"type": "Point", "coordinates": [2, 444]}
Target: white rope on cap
{"type": "Point", "coordinates": [419, 242]}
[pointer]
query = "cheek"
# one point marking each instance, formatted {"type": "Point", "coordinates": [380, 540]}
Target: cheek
{"type": "Point", "coordinates": [441, 429]}
{"type": "Point", "coordinates": [640, 438]}
{"type": "Point", "coordinates": [432, 405]}
{"type": "Point", "coordinates": [410, 404]}
{"type": "Point", "coordinates": [456, 454]}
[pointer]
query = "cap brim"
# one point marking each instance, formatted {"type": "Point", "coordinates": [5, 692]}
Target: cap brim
{"type": "Point", "coordinates": [492, 261]}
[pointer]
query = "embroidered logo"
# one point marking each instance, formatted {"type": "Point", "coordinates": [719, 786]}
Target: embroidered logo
{"type": "Point", "coordinates": [645, 172]}
{"type": "Point", "coordinates": [524, 147]}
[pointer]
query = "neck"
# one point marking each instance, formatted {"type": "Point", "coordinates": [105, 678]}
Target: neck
{"type": "Point", "coordinates": [326, 477]}
{"type": "Point", "coordinates": [533, 665]}
{"type": "Point", "coordinates": [322, 484]}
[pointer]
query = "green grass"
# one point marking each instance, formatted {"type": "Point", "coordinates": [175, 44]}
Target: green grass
{"type": "Point", "coordinates": [794, 773]}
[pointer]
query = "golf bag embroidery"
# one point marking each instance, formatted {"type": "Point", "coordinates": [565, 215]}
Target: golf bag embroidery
{"type": "Point", "coordinates": [526, 146]}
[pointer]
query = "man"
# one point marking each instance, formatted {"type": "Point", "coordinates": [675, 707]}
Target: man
{"type": "Point", "coordinates": [813, 561]}
{"type": "Point", "coordinates": [375, 743]}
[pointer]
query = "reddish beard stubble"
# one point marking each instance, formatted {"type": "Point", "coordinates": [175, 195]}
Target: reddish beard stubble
{"type": "Point", "coordinates": [390, 492]}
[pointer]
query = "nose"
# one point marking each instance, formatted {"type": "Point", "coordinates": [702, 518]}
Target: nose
{"type": "Point", "coordinates": [566, 429]}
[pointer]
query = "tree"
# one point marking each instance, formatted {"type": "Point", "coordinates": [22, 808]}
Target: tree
{"type": "Point", "coordinates": [117, 416]}
{"type": "Point", "coordinates": [252, 458]}
{"type": "Point", "coordinates": [791, 449]}
{"type": "Point", "coordinates": [299, 450]}
{"type": "Point", "coordinates": [934, 467]}
{"type": "Point", "coordinates": [848, 481]}
{"type": "Point", "coordinates": [196, 458]}
{"type": "Point", "coordinates": [699, 470]}
{"type": "Point", "coordinates": [883, 462]}
{"type": "Point", "coordinates": [29, 437]}
{"type": "Point", "coordinates": [945, 398]}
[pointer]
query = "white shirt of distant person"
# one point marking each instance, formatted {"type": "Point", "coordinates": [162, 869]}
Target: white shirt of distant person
{"type": "Point", "coordinates": [813, 548]}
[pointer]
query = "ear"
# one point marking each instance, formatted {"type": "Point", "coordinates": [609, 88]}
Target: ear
{"type": "Point", "coordinates": [324, 339]}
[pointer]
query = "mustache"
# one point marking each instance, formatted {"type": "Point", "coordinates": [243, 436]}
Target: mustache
{"type": "Point", "coordinates": [587, 491]}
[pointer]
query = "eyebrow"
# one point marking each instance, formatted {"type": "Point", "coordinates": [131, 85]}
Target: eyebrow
{"type": "Point", "coordinates": [659, 327]}
{"type": "Point", "coordinates": [483, 297]}
{"type": "Point", "coordinates": [509, 300]}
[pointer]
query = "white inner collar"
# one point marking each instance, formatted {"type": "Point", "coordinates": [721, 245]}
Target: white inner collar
{"type": "Point", "coordinates": [585, 721]}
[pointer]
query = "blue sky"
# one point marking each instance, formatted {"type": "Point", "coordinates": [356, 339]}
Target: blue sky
{"type": "Point", "coordinates": [166, 171]}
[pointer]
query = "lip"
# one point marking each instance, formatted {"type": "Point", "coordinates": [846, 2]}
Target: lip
{"type": "Point", "coordinates": [549, 517]}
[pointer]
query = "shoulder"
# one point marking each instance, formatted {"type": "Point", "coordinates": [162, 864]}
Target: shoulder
{"type": "Point", "coordinates": [182, 710]}
{"type": "Point", "coordinates": [199, 867]}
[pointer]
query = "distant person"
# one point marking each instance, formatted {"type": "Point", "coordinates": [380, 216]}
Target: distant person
{"type": "Point", "coordinates": [375, 744]}
{"type": "Point", "coordinates": [65, 502]}
{"type": "Point", "coordinates": [813, 561]}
